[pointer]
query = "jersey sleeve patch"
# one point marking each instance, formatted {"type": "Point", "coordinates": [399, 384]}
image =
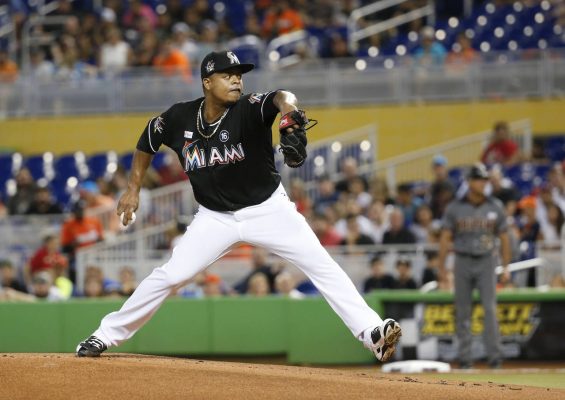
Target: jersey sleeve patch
{"type": "Point", "coordinates": [255, 98]}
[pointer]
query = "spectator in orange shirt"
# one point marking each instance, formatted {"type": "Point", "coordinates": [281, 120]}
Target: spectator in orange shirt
{"type": "Point", "coordinates": [8, 68]}
{"type": "Point", "coordinates": [463, 53]}
{"type": "Point", "coordinates": [280, 19]}
{"type": "Point", "coordinates": [172, 61]}
{"type": "Point", "coordinates": [103, 204]}
{"type": "Point", "coordinates": [77, 232]}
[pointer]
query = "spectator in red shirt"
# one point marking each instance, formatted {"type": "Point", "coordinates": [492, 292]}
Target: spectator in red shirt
{"type": "Point", "coordinates": [138, 11]}
{"type": "Point", "coordinates": [45, 257]}
{"type": "Point", "coordinates": [300, 197]}
{"type": "Point", "coordinates": [325, 232]}
{"type": "Point", "coordinates": [501, 149]}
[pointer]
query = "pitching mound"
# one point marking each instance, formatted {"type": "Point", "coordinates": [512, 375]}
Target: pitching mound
{"type": "Point", "coordinates": [122, 376]}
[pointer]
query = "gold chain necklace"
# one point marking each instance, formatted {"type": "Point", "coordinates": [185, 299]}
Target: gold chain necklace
{"type": "Point", "coordinates": [199, 120]}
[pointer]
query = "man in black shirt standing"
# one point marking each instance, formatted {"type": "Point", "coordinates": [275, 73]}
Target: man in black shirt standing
{"type": "Point", "coordinates": [224, 142]}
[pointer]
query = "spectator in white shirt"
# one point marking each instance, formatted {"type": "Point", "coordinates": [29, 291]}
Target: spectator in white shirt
{"type": "Point", "coordinates": [115, 54]}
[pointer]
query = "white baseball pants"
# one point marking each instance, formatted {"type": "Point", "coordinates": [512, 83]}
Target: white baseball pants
{"type": "Point", "coordinates": [274, 225]}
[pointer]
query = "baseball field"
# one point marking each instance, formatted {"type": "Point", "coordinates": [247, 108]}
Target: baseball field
{"type": "Point", "coordinates": [121, 376]}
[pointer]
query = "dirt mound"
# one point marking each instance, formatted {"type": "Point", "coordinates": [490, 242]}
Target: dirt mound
{"type": "Point", "coordinates": [123, 376]}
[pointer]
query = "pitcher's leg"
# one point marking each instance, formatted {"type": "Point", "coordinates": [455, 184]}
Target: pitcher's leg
{"type": "Point", "coordinates": [463, 307]}
{"type": "Point", "coordinates": [204, 241]}
{"type": "Point", "coordinates": [487, 290]}
{"type": "Point", "coordinates": [286, 233]}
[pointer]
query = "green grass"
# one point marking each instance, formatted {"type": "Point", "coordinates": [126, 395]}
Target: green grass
{"type": "Point", "coordinates": [541, 379]}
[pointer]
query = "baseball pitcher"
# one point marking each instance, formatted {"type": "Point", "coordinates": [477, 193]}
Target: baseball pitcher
{"type": "Point", "coordinates": [224, 143]}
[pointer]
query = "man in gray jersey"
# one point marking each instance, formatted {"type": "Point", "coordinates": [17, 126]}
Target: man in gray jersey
{"type": "Point", "coordinates": [474, 223]}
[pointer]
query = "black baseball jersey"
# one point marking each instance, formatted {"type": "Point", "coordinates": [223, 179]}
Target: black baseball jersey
{"type": "Point", "coordinates": [234, 167]}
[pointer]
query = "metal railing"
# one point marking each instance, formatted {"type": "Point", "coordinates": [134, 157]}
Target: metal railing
{"type": "Point", "coordinates": [371, 80]}
{"type": "Point", "coordinates": [157, 206]}
{"type": "Point", "coordinates": [415, 165]}
{"type": "Point", "coordinates": [325, 157]}
{"type": "Point", "coordinates": [140, 251]}
{"type": "Point", "coordinates": [143, 251]}
{"type": "Point", "coordinates": [357, 34]}
{"type": "Point", "coordinates": [164, 204]}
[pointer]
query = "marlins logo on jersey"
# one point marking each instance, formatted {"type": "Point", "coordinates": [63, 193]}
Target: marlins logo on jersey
{"type": "Point", "coordinates": [195, 157]}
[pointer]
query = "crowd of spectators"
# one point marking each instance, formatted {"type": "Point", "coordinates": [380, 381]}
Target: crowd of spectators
{"type": "Point", "coordinates": [173, 36]}
{"type": "Point", "coordinates": [357, 213]}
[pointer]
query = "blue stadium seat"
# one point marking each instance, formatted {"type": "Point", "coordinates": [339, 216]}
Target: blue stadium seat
{"type": "Point", "coordinates": [236, 16]}
{"type": "Point", "coordinates": [542, 170]}
{"type": "Point", "coordinates": [99, 164]}
{"type": "Point", "coordinates": [524, 187]}
{"type": "Point", "coordinates": [6, 166]}
{"type": "Point", "coordinates": [456, 175]}
{"type": "Point", "coordinates": [59, 190]}
{"type": "Point", "coordinates": [36, 166]}
{"type": "Point", "coordinates": [126, 160]}
{"type": "Point", "coordinates": [66, 166]}
{"type": "Point", "coordinates": [159, 160]}
{"type": "Point", "coordinates": [555, 148]}
{"type": "Point", "coordinates": [524, 172]}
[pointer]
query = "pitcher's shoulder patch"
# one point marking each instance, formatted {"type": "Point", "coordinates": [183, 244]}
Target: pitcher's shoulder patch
{"type": "Point", "coordinates": [255, 97]}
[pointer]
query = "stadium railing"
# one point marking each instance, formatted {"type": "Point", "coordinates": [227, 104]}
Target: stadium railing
{"type": "Point", "coordinates": [416, 165]}
{"type": "Point", "coordinates": [143, 251]}
{"type": "Point", "coordinates": [156, 207]}
{"type": "Point", "coordinates": [328, 82]}
{"type": "Point", "coordinates": [356, 34]}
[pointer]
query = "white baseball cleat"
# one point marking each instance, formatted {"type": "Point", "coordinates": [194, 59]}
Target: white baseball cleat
{"type": "Point", "coordinates": [384, 339]}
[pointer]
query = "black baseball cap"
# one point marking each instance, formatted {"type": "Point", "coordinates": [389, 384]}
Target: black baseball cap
{"type": "Point", "coordinates": [478, 171]}
{"type": "Point", "coordinates": [218, 61]}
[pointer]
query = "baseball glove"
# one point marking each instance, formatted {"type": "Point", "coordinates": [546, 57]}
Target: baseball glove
{"type": "Point", "coordinates": [293, 127]}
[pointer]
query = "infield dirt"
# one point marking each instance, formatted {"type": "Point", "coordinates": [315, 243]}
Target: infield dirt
{"type": "Point", "coordinates": [126, 376]}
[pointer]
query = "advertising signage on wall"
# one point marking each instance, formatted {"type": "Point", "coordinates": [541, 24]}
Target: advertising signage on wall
{"type": "Point", "coordinates": [529, 330]}
{"type": "Point", "coordinates": [516, 320]}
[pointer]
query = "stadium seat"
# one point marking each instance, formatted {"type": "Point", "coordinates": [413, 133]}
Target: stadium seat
{"type": "Point", "coordinates": [456, 175]}
{"type": "Point", "coordinates": [40, 166]}
{"type": "Point", "coordinates": [555, 148]}
{"type": "Point", "coordinates": [102, 163]}
{"type": "Point", "coordinates": [542, 170]}
{"type": "Point", "coordinates": [126, 160]}
{"type": "Point", "coordinates": [60, 191]}
{"type": "Point", "coordinates": [525, 187]}
{"type": "Point", "coordinates": [65, 167]}
{"type": "Point", "coordinates": [160, 159]}
{"type": "Point", "coordinates": [10, 163]}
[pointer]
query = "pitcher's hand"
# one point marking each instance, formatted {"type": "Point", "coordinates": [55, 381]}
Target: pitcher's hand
{"type": "Point", "coordinates": [127, 204]}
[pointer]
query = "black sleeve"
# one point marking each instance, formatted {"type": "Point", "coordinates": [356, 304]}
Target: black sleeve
{"type": "Point", "coordinates": [157, 132]}
{"type": "Point", "coordinates": [260, 107]}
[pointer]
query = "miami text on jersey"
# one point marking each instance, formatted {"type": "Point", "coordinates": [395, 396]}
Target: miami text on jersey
{"type": "Point", "coordinates": [195, 157]}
